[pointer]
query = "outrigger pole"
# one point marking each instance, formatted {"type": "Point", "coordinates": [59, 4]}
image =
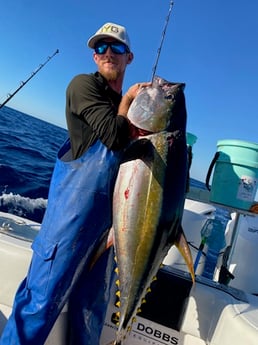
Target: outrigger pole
{"type": "Point", "coordinates": [9, 96]}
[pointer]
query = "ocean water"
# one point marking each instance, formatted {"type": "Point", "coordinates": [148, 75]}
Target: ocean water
{"type": "Point", "coordinates": [28, 149]}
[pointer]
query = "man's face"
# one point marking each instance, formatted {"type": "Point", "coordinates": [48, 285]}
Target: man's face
{"type": "Point", "coordinates": [112, 65]}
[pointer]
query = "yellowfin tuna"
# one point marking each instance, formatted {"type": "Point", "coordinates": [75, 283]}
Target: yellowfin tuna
{"type": "Point", "coordinates": [149, 195]}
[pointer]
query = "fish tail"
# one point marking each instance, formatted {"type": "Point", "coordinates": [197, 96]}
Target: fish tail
{"type": "Point", "coordinates": [183, 247]}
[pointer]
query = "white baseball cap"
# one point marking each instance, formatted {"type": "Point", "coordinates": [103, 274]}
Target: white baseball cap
{"type": "Point", "coordinates": [110, 30]}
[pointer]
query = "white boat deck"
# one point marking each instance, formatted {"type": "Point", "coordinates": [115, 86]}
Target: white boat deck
{"type": "Point", "coordinates": [207, 313]}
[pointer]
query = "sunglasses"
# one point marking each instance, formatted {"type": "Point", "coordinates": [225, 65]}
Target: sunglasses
{"type": "Point", "coordinates": [116, 47]}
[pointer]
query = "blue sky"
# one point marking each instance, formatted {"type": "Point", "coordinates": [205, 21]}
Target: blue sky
{"type": "Point", "coordinates": [212, 46]}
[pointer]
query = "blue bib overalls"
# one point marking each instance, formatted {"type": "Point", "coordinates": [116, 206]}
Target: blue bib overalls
{"type": "Point", "coordinates": [79, 212]}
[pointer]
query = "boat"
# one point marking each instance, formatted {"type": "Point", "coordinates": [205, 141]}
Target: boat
{"type": "Point", "coordinates": [210, 311]}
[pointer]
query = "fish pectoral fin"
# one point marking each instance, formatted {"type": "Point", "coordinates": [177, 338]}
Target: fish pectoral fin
{"type": "Point", "coordinates": [139, 149]}
{"type": "Point", "coordinates": [183, 247]}
{"type": "Point", "coordinates": [105, 243]}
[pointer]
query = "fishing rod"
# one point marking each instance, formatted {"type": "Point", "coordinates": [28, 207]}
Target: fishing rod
{"type": "Point", "coordinates": [23, 83]}
{"type": "Point", "coordinates": [162, 39]}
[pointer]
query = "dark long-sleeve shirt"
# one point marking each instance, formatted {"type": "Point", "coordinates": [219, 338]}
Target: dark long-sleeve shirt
{"type": "Point", "coordinates": [91, 114]}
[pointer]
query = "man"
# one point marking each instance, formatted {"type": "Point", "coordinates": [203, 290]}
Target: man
{"type": "Point", "coordinates": [93, 101]}
{"type": "Point", "coordinates": [79, 212]}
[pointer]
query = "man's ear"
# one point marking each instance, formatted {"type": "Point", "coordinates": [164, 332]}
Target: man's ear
{"type": "Point", "coordinates": [130, 57]}
{"type": "Point", "coordinates": [95, 57]}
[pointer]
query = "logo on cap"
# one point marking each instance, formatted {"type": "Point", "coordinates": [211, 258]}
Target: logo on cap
{"type": "Point", "coordinates": [109, 28]}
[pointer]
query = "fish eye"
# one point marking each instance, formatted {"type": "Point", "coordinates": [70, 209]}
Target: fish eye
{"type": "Point", "coordinates": [170, 97]}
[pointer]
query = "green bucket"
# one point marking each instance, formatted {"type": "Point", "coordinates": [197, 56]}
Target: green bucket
{"type": "Point", "coordinates": [235, 176]}
{"type": "Point", "coordinates": [190, 139]}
